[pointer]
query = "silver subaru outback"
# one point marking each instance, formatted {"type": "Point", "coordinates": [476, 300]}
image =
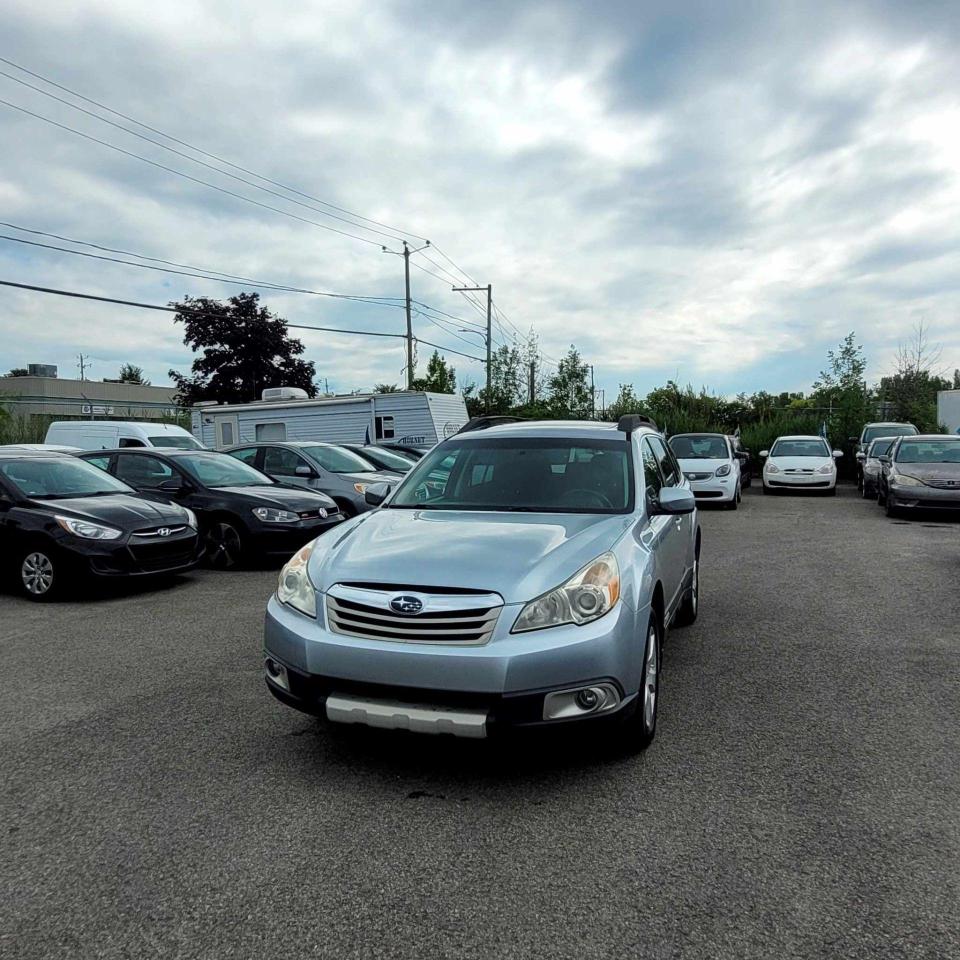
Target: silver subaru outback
{"type": "Point", "coordinates": [522, 574]}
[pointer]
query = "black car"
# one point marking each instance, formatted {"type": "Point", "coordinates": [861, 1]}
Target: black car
{"type": "Point", "coordinates": [242, 512]}
{"type": "Point", "coordinates": [385, 459]}
{"type": "Point", "coordinates": [63, 521]}
{"type": "Point", "coordinates": [746, 463]}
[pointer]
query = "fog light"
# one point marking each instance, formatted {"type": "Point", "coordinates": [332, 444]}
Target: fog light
{"type": "Point", "coordinates": [587, 699]}
{"type": "Point", "coordinates": [277, 674]}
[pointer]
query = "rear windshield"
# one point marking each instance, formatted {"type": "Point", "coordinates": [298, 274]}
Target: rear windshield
{"type": "Point", "coordinates": [800, 448]}
{"type": "Point", "coordinates": [929, 451]}
{"type": "Point", "coordinates": [890, 430]}
{"type": "Point", "coordinates": [699, 448]}
{"type": "Point", "coordinates": [55, 478]}
{"type": "Point", "coordinates": [388, 458]}
{"type": "Point", "coordinates": [532, 475]}
{"type": "Point", "coordinates": [338, 459]}
{"type": "Point", "coordinates": [879, 448]}
{"type": "Point", "coordinates": [179, 443]}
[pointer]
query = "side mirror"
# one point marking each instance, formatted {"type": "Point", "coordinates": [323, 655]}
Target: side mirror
{"type": "Point", "coordinates": [764, 454]}
{"type": "Point", "coordinates": [837, 454]}
{"type": "Point", "coordinates": [742, 454]}
{"type": "Point", "coordinates": [376, 493]}
{"type": "Point", "coordinates": [173, 485]}
{"type": "Point", "coordinates": [884, 458]}
{"type": "Point", "coordinates": [861, 456]}
{"type": "Point", "coordinates": [674, 500]}
{"type": "Point", "coordinates": [302, 470]}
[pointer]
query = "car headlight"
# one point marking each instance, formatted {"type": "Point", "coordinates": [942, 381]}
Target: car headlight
{"type": "Point", "coordinates": [294, 587]}
{"type": "Point", "coordinates": [360, 487]}
{"type": "Point", "coordinates": [191, 517]}
{"type": "Point", "coordinates": [271, 515]}
{"type": "Point", "coordinates": [771, 467]}
{"type": "Point", "coordinates": [587, 595]}
{"type": "Point", "coordinates": [905, 480]}
{"type": "Point", "coordinates": [724, 470]}
{"type": "Point", "coordinates": [826, 468]}
{"type": "Point", "coordinates": [87, 530]}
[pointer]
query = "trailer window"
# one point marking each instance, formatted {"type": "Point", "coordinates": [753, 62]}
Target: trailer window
{"type": "Point", "coordinates": [271, 431]}
{"type": "Point", "coordinates": [384, 427]}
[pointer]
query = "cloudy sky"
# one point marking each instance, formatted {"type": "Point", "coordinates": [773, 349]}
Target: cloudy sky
{"type": "Point", "coordinates": [715, 192]}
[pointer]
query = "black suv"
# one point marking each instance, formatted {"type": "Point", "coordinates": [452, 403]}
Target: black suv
{"type": "Point", "coordinates": [242, 512]}
{"type": "Point", "coordinates": [62, 521]}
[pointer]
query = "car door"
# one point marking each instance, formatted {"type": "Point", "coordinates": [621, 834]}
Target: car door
{"type": "Point", "coordinates": [672, 532]}
{"type": "Point", "coordinates": [281, 463]}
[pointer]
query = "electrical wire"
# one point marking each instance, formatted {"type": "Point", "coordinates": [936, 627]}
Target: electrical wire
{"type": "Point", "coordinates": [190, 146]}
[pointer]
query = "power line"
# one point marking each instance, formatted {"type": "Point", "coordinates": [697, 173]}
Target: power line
{"type": "Point", "coordinates": [187, 176]}
{"type": "Point", "coordinates": [190, 146]}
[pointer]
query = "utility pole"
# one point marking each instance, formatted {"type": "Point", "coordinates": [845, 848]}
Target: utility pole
{"type": "Point", "coordinates": [83, 364]}
{"type": "Point", "coordinates": [593, 396]}
{"type": "Point", "coordinates": [489, 290]}
{"type": "Point", "coordinates": [406, 254]}
{"type": "Point", "coordinates": [533, 381]}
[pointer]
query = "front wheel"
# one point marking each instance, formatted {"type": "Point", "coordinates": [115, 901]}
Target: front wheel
{"type": "Point", "coordinates": [39, 572]}
{"type": "Point", "coordinates": [640, 727]}
{"type": "Point", "coordinates": [889, 509]}
{"type": "Point", "coordinates": [766, 490]}
{"type": "Point", "coordinates": [881, 496]}
{"type": "Point", "coordinates": [224, 545]}
{"type": "Point", "coordinates": [688, 610]}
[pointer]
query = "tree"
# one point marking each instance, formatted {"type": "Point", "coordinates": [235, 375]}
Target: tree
{"type": "Point", "coordinates": [441, 377]}
{"type": "Point", "coordinates": [910, 393]}
{"type": "Point", "coordinates": [842, 390]}
{"type": "Point", "coordinates": [130, 373]}
{"type": "Point", "coordinates": [385, 388]}
{"type": "Point", "coordinates": [569, 388]}
{"type": "Point", "coordinates": [18, 372]}
{"type": "Point", "coordinates": [626, 402]}
{"type": "Point", "coordinates": [246, 348]}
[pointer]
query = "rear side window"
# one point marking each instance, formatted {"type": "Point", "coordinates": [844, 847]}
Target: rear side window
{"type": "Point", "coordinates": [669, 469]}
{"type": "Point", "coordinates": [102, 462]}
{"type": "Point", "coordinates": [142, 471]}
{"type": "Point", "coordinates": [248, 455]}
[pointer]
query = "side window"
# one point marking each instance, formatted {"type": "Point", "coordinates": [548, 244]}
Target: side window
{"type": "Point", "coordinates": [280, 462]}
{"type": "Point", "coordinates": [668, 465]}
{"type": "Point", "coordinates": [142, 471]}
{"type": "Point", "coordinates": [384, 428]}
{"type": "Point", "coordinates": [102, 462]}
{"type": "Point", "coordinates": [435, 483]}
{"type": "Point", "coordinates": [248, 455]}
{"type": "Point", "coordinates": [652, 480]}
{"type": "Point", "coordinates": [271, 431]}
{"type": "Point", "coordinates": [130, 442]}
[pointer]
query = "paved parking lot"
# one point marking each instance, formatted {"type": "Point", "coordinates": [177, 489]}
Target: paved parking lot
{"type": "Point", "coordinates": [802, 797]}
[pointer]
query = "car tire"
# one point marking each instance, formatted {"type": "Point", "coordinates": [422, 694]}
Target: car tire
{"type": "Point", "coordinates": [640, 727]}
{"type": "Point", "coordinates": [881, 499]}
{"type": "Point", "coordinates": [732, 505]}
{"type": "Point", "coordinates": [39, 573]}
{"type": "Point", "coordinates": [867, 492]}
{"type": "Point", "coordinates": [690, 607]}
{"type": "Point", "coordinates": [225, 547]}
{"type": "Point", "coordinates": [766, 490]}
{"type": "Point", "coordinates": [889, 509]}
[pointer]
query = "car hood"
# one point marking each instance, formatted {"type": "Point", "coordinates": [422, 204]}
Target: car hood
{"type": "Point", "coordinates": [519, 556]}
{"type": "Point", "coordinates": [287, 498]}
{"type": "Point", "coordinates": [693, 465]}
{"type": "Point", "coordinates": [800, 463]}
{"type": "Point", "coordinates": [122, 510]}
{"type": "Point", "coordinates": [930, 471]}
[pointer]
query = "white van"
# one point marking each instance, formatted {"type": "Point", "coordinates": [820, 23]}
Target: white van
{"type": "Point", "coordinates": [110, 434]}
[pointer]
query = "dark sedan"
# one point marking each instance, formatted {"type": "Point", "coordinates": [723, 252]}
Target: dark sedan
{"type": "Point", "coordinates": [920, 473]}
{"type": "Point", "coordinates": [242, 512]}
{"type": "Point", "coordinates": [62, 521]}
{"type": "Point", "coordinates": [383, 458]}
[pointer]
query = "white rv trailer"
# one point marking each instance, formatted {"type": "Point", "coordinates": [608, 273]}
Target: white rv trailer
{"type": "Point", "coordinates": [948, 410]}
{"type": "Point", "coordinates": [409, 417]}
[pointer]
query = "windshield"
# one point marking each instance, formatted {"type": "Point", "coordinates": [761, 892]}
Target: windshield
{"type": "Point", "coordinates": [889, 430]}
{"type": "Point", "coordinates": [389, 459]}
{"type": "Point", "coordinates": [222, 470]}
{"type": "Point", "coordinates": [879, 448]}
{"type": "Point", "coordinates": [929, 451]}
{"type": "Point", "coordinates": [338, 459]}
{"type": "Point", "coordinates": [523, 474]}
{"type": "Point", "coordinates": [178, 442]}
{"type": "Point", "coordinates": [800, 448]}
{"type": "Point", "coordinates": [691, 447]}
{"type": "Point", "coordinates": [52, 479]}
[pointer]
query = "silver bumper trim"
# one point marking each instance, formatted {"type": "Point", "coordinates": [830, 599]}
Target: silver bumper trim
{"type": "Point", "coordinates": [417, 718]}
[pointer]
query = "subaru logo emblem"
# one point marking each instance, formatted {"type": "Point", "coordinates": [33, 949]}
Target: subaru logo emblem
{"type": "Point", "coordinates": [163, 531]}
{"type": "Point", "coordinates": [406, 605]}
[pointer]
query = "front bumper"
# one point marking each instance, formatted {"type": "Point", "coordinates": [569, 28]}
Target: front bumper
{"type": "Point", "coordinates": [508, 678]}
{"type": "Point", "coordinates": [287, 538]}
{"type": "Point", "coordinates": [104, 558]}
{"type": "Point", "coordinates": [813, 481]}
{"type": "Point", "coordinates": [721, 489]}
{"type": "Point", "coordinates": [924, 498]}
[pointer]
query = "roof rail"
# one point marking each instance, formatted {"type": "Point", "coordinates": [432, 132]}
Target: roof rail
{"type": "Point", "coordinates": [481, 423]}
{"type": "Point", "coordinates": [630, 421]}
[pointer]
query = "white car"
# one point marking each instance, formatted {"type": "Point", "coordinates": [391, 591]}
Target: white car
{"type": "Point", "coordinates": [800, 463]}
{"type": "Point", "coordinates": [711, 466]}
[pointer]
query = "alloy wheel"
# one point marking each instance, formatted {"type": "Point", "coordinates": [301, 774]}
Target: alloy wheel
{"type": "Point", "coordinates": [651, 671]}
{"type": "Point", "coordinates": [223, 546]}
{"type": "Point", "coordinates": [36, 572]}
{"type": "Point", "coordinates": [695, 587]}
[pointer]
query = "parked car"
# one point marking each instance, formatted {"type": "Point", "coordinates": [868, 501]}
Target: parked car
{"type": "Point", "coordinates": [324, 467]}
{"type": "Point", "coordinates": [533, 588]}
{"type": "Point", "coordinates": [920, 473]}
{"type": "Point", "coordinates": [869, 465]}
{"type": "Point", "coordinates": [63, 521]}
{"type": "Point", "coordinates": [242, 513]}
{"type": "Point", "coordinates": [111, 434]}
{"type": "Point", "coordinates": [383, 458]}
{"type": "Point", "coordinates": [746, 461]}
{"type": "Point", "coordinates": [872, 431]}
{"type": "Point", "coordinates": [708, 461]}
{"type": "Point", "coordinates": [800, 463]}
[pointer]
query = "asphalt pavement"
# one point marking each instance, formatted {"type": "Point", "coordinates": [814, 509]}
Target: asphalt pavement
{"type": "Point", "coordinates": [802, 798]}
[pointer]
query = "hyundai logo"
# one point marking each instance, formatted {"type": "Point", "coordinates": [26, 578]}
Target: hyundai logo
{"type": "Point", "coordinates": [163, 531]}
{"type": "Point", "coordinates": [406, 604]}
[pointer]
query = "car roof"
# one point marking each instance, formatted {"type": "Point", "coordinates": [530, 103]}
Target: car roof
{"type": "Point", "coordinates": [890, 423]}
{"type": "Point", "coordinates": [152, 451]}
{"type": "Point", "coordinates": [540, 429]}
{"type": "Point", "coordinates": [802, 436]}
{"type": "Point", "coordinates": [293, 444]}
{"type": "Point", "coordinates": [702, 433]}
{"type": "Point", "coordinates": [929, 436]}
{"type": "Point", "coordinates": [26, 454]}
